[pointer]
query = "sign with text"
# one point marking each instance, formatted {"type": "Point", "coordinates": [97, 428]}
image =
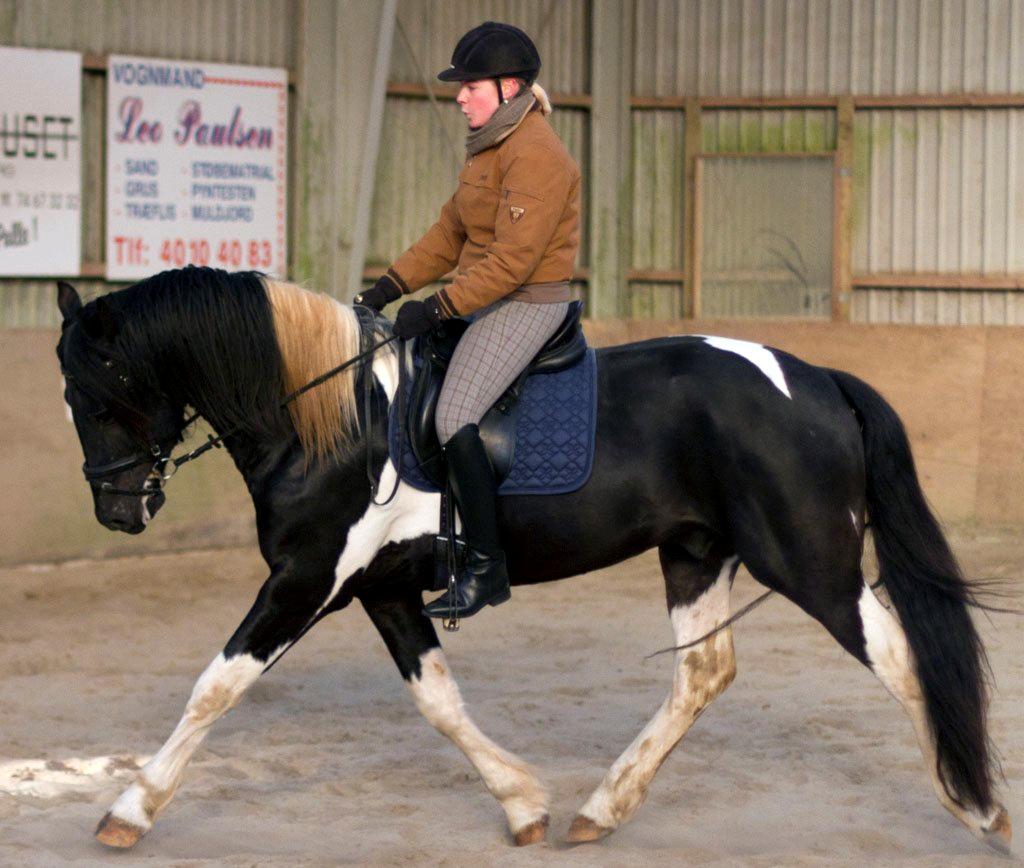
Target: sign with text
{"type": "Point", "coordinates": [195, 166]}
{"type": "Point", "coordinates": [40, 163]}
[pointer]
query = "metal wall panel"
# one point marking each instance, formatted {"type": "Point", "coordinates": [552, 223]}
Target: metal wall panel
{"type": "Point", "coordinates": [657, 217]}
{"type": "Point", "coordinates": [766, 243]}
{"type": "Point", "coordinates": [416, 173]}
{"type": "Point", "coordinates": [771, 47]}
{"type": "Point", "coordinates": [258, 32]}
{"type": "Point", "coordinates": [938, 307]}
{"type": "Point", "coordinates": [761, 130]}
{"type": "Point", "coordinates": [938, 191]}
{"type": "Point", "coordinates": [428, 30]}
{"type": "Point", "coordinates": [657, 190]}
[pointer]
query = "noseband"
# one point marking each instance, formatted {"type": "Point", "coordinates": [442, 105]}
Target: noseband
{"type": "Point", "coordinates": [164, 466]}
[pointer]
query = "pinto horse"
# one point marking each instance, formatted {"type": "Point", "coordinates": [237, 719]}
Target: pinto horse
{"type": "Point", "coordinates": [716, 452]}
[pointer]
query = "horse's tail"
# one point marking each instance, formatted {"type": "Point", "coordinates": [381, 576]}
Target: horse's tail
{"type": "Point", "coordinates": [931, 598]}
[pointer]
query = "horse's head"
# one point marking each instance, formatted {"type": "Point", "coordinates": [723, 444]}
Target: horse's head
{"type": "Point", "coordinates": [127, 426]}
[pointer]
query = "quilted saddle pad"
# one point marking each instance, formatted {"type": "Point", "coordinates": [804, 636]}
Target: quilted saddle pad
{"type": "Point", "coordinates": [554, 437]}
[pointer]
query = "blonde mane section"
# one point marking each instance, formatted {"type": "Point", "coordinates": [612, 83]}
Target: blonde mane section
{"type": "Point", "coordinates": [314, 334]}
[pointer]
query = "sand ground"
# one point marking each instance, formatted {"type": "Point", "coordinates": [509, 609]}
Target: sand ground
{"type": "Point", "coordinates": [805, 760]}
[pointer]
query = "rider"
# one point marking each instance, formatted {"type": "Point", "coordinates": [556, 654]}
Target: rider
{"type": "Point", "coordinates": [511, 230]}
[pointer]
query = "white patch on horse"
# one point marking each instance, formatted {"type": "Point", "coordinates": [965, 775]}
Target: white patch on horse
{"type": "Point", "coordinates": [508, 778]}
{"type": "Point", "coordinates": [701, 673]}
{"type": "Point", "coordinates": [385, 371]}
{"type": "Point", "coordinates": [886, 646]}
{"type": "Point", "coordinates": [63, 396]}
{"type": "Point", "coordinates": [216, 692]}
{"type": "Point", "coordinates": [856, 523]}
{"type": "Point", "coordinates": [51, 779]}
{"type": "Point", "coordinates": [411, 514]}
{"type": "Point", "coordinates": [758, 355]}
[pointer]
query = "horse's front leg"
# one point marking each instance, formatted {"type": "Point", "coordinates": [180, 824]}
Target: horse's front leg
{"type": "Point", "coordinates": [285, 607]}
{"type": "Point", "coordinates": [412, 641]}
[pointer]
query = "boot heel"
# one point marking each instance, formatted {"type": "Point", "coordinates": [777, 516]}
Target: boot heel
{"type": "Point", "coordinates": [501, 598]}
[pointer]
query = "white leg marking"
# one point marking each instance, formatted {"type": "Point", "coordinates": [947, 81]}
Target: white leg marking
{"type": "Point", "coordinates": [701, 674]}
{"type": "Point", "coordinates": [218, 690]}
{"type": "Point", "coordinates": [509, 779]}
{"type": "Point", "coordinates": [763, 358]}
{"type": "Point", "coordinates": [892, 661]}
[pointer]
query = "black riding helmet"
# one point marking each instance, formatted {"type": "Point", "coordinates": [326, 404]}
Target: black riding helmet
{"type": "Point", "coordinates": [493, 50]}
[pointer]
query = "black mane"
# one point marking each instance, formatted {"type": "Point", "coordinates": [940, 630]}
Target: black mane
{"type": "Point", "coordinates": [203, 336]}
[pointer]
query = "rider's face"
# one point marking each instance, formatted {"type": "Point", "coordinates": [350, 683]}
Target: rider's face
{"type": "Point", "coordinates": [478, 101]}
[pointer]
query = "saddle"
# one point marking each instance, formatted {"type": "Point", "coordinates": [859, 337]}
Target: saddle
{"type": "Point", "coordinates": [566, 347]}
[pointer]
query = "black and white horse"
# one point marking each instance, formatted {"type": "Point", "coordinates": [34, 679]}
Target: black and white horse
{"type": "Point", "coordinates": [717, 452]}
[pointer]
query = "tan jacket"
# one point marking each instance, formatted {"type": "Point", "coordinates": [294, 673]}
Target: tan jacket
{"type": "Point", "coordinates": [513, 221]}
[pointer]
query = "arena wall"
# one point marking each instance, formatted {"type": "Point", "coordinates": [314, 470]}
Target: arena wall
{"type": "Point", "coordinates": [957, 389]}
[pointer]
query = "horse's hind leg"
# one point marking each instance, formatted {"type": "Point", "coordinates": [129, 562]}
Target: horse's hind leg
{"type": "Point", "coordinates": [698, 601]}
{"type": "Point", "coordinates": [888, 655]}
{"type": "Point", "coordinates": [413, 644]}
{"type": "Point", "coordinates": [837, 596]}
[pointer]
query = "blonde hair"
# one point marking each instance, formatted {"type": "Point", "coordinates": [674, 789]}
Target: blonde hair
{"type": "Point", "coordinates": [314, 334]}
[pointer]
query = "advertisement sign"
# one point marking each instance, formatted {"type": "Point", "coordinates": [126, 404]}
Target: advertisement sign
{"type": "Point", "coordinates": [40, 163]}
{"type": "Point", "coordinates": [195, 166]}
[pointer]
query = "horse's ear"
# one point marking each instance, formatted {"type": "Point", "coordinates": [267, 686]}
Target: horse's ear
{"type": "Point", "coordinates": [68, 300]}
{"type": "Point", "coordinates": [100, 320]}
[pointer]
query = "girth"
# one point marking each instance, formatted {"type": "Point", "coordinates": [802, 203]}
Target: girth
{"type": "Point", "coordinates": [497, 429]}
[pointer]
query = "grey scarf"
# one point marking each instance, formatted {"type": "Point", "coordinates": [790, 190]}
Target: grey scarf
{"type": "Point", "coordinates": [506, 118]}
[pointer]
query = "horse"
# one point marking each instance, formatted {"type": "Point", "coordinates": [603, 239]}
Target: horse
{"type": "Point", "coordinates": [714, 451]}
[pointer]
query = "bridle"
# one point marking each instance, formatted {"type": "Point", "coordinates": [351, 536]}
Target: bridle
{"type": "Point", "coordinates": [164, 465]}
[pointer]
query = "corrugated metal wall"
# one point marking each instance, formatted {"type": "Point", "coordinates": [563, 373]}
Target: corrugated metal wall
{"type": "Point", "coordinates": [771, 47]}
{"type": "Point", "coordinates": [939, 191]}
{"type": "Point", "coordinates": [255, 32]}
{"type": "Point", "coordinates": [767, 245]}
{"type": "Point", "coordinates": [258, 32]}
{"type": "Point", "coordinates": [935, 190]}
{"type": "Point", "coordinates": [657, 212]}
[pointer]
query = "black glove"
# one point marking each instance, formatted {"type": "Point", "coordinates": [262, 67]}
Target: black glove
{"type": "Point", "coordinates": [382, 293]}
{"type": "Point", "coordinates": [416, 318]}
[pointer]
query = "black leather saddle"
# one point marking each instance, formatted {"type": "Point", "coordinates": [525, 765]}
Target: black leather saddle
{"type": "Point", "coordinates": [498, 428]}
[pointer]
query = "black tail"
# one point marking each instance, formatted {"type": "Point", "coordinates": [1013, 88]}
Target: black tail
{"type": "Point", "coordinates": [931, 596]}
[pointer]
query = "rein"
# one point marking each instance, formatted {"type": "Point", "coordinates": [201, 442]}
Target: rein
{"type": "Point", "coordinates": [165, 467]}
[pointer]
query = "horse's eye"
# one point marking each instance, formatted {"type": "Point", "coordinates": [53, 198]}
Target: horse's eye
{"type": "Point", "coordinates": [103, 416]}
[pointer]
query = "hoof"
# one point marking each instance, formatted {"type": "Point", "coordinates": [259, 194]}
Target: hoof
{"type": "Point", "coordinates": [533, 833]}
{"type": "Point", "coordinates": [115, 832]}
{"type": "Point", "coordinates": [584, 829]}
{"type": "Point", "coordinates": [999, 833]}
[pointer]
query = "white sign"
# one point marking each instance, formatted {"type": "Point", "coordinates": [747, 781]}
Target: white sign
{"type": "Point", "coordinates": [195, 166]}
{"type": "Point", "coordinates": [40, 162]}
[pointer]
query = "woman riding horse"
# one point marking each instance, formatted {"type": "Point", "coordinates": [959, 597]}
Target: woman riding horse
{"type": "Point", "coordinates": [512, 230]}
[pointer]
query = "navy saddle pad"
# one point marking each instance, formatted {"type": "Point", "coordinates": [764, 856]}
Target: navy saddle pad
{"type": "Point", "coordinates": [554, 438]}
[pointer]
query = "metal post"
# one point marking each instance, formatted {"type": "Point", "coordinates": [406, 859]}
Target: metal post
{"type": "Point", "coordinates": [610, 158]}
{"type": "Point", "coordinates": [371, 145]}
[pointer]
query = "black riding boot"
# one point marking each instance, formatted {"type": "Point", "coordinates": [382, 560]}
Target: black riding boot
{"type": "Point", "coordinates": [483, 578]}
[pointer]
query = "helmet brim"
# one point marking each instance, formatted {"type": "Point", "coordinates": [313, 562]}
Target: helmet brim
{"type": "Point", "coordinates": [453, 74]}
